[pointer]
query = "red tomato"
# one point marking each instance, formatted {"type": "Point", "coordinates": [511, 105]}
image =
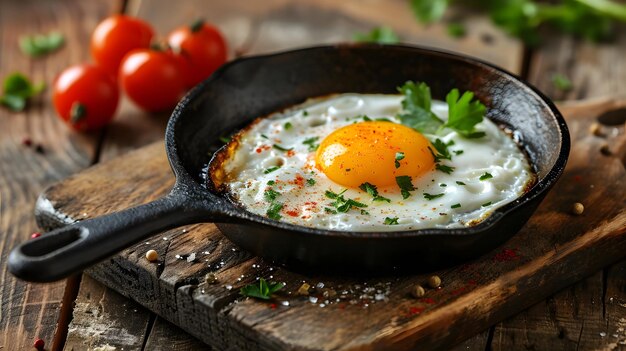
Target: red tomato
{"type": "Point", "coordinates": [152, 79]}
{"type": "Point", "coordinates": [114, 37]}
{"type": "Point", "coordinates": [202, 49]}
{"type": "Point", "coordinates": [85, 96]}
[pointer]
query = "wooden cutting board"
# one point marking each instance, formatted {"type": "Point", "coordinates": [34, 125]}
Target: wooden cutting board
{"type": "Point", "coordinates": [555, 249]}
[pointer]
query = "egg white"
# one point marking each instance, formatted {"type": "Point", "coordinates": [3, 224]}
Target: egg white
{"type": "Point", "coordinates": [304, 203]}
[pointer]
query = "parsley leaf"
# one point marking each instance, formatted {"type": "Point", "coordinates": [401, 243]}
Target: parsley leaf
{"type": "Point", "coordinates": [429, 11]}
{"type": "Point", "coordinates": [455, 206]}
{"type": "Point", "coordinates": [391, 221]}
{"type": "Point", "coordinates": [381, 35]}
{"type": "Point", "coordinates": [456, 30]}
{"type": "Point", "coordinates": [270, 195]}
{"type": "Point", "coordinates": [263, 290]}
{"type": "Point", "coordinates": [561, 82]}
{"type": "Point", "coordinates": [416, 108]}
{"type": "Point", "coordinates": [399, 157]}
{"type": "Point", "coordinates": [464, 114]}
{"type": "Point", "coordinates": [311, 142]}
{"type": "Point", "coordinates": [41, 44]}
{"type": "Point", "coordinates": [310, 182]}
{"type": "Point", "coordinates": [460, 183]}
{"type": "Point", "coordinates": [428, 196]}
{"type": "Point", "coordinates": [486, 204]}
{"type": "Point", "coordinates": [271, 182]}
{"type": "Point", "coordinates": [281, 148]}
{"type": "Point", "coordinates": [373, 191]}
{"type": "Point", "coordinates": [273, 212]}
{"type": "Point", "coordinates": [485, 176]}
{"type": "Point", "coordinates": [341, 203]}
{"type": "Point", "coordinates": [17, 90]}
{"type": "Point", "coordinates": [406, 185]}
{"type": "Point", "coordinates": [287, 126]}
{"type": "Point", "coordinates": [225, 139]}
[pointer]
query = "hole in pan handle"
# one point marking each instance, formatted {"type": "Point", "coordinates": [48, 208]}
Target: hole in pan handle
{"type": "Point", "coordinates": [68, 250]}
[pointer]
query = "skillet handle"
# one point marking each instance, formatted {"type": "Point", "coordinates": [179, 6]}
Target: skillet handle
{"type": "Point", "coordinates": [67, 250]}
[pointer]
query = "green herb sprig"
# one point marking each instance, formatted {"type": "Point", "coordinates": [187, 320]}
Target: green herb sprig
{"type": "Point", "coordinates": [263, 290]}
{"type": "Point", "coordinates": [17, 90]}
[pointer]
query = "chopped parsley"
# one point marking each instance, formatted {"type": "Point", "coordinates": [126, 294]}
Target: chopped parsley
{"type": "Point", "coordinates": [399, 157]}
{"type": "Point", "coordinates": [443, 185]}
{"type": "Point", "coordinates": [310, 182]}
{"type": "Point", "coordinates": [281, 148]}
{"type": "Point", "coordinates": [287, 126]}
{"type": "Point", "coordinates": [460, 182]}
{"type": "Point", "coordinates": [329, 210]}
{"type": "Point", "coordinates": [485, 176]}
{"type": "Point", "coordinates": [342, 204]}
{"type": "Point", "coordinates": [486, 204]}
{"type": "Point", "coordinates": [270, 195]}
{"type": "Point", "coordinates": [373, 191]}
{"type": "Point", "coordinates": [445, 169]}
{"type": "Point", "coordinates": [458, 152]}
{"type": "Point", "coordinates": [455, 206]}
{"type": "Point", "coordinates": [406, 185]}
{"type": "Point", "coordinates": [428, 196]}
{"type": "Point", "coordinates": [312, 143]}
{"type": "Point", "coordinates": [365, 213]}
{"type": "Point", "coordinates": [274, 210]}
{"type": "Point", "coordinates": [271, 182]}
{"type": "Point", "coordinates": [442, 150]}
{"type": "Point", "coordinates": [263, 290]}
{"type": "Point", "coordinates": [456, 30]}
{"type": "Point", "coordinates": [391, 221]}
{"type": "Point", "coordinates": [264, 136]}
{"type": "Point", "coordinates": [305, 113]}
{"type": "Point", "coordinates": [271, 169]}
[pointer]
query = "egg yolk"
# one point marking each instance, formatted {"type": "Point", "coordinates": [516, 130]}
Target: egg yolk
{"type": "Point", "coordinates": [366, 152]}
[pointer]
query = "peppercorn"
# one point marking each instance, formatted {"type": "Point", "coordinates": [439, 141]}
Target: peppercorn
{"type": "Point", "coordinates": [434, 281]}
{"type": "Point", "coordinates": [418, 291]}
{"type": "Point", "coordinates": [578, 208]}
{"type": "Point", "coordinates": [595, 129]}
{"type": "Point", "coordinates": [39, 149]}
{"type": "Point", "coordinates": [210, 278]}
{"type": "Point", "coordinates": [604, 149]}
{"type": "Point", "coordinates": [152, 255]}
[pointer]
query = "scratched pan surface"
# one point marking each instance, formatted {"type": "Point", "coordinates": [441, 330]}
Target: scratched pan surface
{"type": "Point", "coordinates": [255, 86]}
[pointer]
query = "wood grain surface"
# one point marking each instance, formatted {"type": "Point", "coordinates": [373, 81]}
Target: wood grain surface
{"type": "Point", "coordinates": [31, 311]}
{"type": "Point", "coordinates": [587, 315]}
{"type": "Point", "coordinates": [553, 250]}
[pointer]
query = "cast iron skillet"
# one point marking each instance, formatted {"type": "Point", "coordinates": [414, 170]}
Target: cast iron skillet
{"type": "Point", "coordinates": [255, 86]}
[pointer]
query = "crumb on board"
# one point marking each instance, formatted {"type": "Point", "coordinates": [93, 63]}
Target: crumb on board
{"type": "Point", "coordinates": [152, 255]}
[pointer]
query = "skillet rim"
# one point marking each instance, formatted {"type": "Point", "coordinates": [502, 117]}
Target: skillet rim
{"type": "Point", "coordinates": [222, 208]}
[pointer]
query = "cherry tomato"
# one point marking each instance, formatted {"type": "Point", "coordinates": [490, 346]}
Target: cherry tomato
{"type": "Point", "coordinates": [201, 50]}
{"type": "Point", "coordinates": [117, 35]}
{"type": "Point", "coordinates": [152, 79]}
{"type": "Point", "coordinates": [85, 96]}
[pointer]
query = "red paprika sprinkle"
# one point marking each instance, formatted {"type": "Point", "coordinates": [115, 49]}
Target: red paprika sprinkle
{"type": "Point", "coordinates": [35, 235]}
{"type": "Point", "coordinates": [292, 213]}
{"type": "Point", "coordinates": [506, 255]}
{"type": "Point", "coordinates": [416, 310]}
{"type": "Point", "coordinates": [428, 300]}
{"type": "Point", "coordinates": [39, 344]}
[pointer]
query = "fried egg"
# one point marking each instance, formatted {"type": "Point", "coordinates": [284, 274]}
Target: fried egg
{"type": "Point", "coordinates": [345, 162]}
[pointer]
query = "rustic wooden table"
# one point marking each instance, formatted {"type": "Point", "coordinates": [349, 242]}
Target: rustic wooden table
{"type": "Point", "coordinates": [80, 313]}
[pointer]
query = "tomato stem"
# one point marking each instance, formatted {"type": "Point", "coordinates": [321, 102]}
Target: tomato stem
{"type": "Point", "coordinates": [77, 112]}
{"type": "Point", "coordinates": [197, 25]}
